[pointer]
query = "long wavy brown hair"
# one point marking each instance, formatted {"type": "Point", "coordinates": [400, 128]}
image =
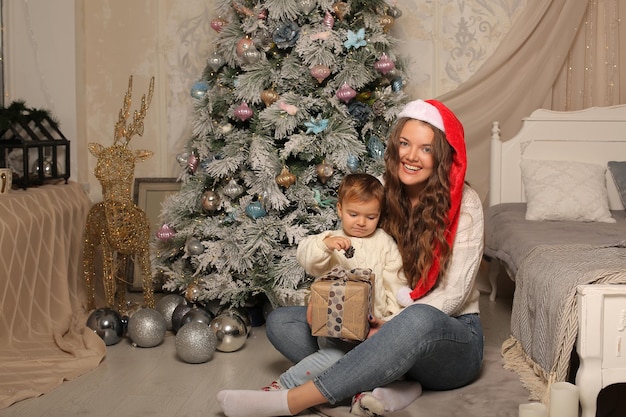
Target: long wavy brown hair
{"type": "Point", "coordinates": [419, 230]}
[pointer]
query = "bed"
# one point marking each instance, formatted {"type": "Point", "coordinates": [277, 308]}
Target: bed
{"type": "Point", "coordinates": [556, 224]}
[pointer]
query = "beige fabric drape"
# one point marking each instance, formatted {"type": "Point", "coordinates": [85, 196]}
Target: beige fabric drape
{"type": "Point", "coordinates": [532, 68]}
{"type": "Point", "coordinates": [43, 337]}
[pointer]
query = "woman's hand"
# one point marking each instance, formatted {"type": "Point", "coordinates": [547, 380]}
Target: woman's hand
{"type": "Point", "coordinates": [375, 325]}
{"type": "Point", "coordinates": [337, 242]}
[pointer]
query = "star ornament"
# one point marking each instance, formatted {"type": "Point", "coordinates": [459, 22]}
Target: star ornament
{"type": "Point", "coordinates": [316, 126]}
{"type": "Point", "coordinates": [355, 40]}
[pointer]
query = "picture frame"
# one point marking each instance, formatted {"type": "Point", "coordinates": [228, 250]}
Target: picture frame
{"type": "Point", "coordinates": [148, 195]}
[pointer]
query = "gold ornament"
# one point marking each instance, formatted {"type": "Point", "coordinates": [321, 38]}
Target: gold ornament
{"type": "Point", "coordinates": [192, 292]}
{"type": "Point", "coordinates": [386, 22]}
{"type": "Point", "coordinates": [210, 200]}
{"type": "Point", "coordinates": [269, 97]}
{"type": "Point", "coordinates": [341, 9]}
{"type": "Point", "coordinates": [324, 172]}
{"type": "Point", "coordinates": [285, 178]}
{"type": "Point", "coordinates": [116, 223]}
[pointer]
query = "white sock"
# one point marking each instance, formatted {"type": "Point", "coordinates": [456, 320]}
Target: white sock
{"type": "Point", "coordinates": [398, 395]}
{"type": "Point", "coordinates": [248, 403]}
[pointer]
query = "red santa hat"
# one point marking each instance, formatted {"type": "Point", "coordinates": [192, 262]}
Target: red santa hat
{"type": "Point", "coordinates": [438, 115]}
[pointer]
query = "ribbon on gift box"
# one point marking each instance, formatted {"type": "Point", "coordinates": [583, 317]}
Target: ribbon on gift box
{"type": "Point", "coordinates": [336, 296]}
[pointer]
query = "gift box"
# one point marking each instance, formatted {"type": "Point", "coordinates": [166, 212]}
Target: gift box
{"type": "Point", "coordinates": [341, 302]}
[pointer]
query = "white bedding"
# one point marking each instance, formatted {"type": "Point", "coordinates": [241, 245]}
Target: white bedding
{"type": "Point", "coordinates": [509, 237]}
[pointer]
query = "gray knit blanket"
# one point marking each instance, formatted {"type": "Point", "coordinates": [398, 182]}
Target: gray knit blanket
{"type": "Point", "coordinates": [544, 319]}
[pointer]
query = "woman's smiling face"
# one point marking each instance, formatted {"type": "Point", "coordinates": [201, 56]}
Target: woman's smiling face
{"type": "Point", "coordinates": [415, 147]}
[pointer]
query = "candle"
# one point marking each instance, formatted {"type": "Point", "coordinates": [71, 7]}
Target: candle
{"type": "Point", "coordinates": [533, 410]}
{"type": "Point", "coordinates": [563, 400]}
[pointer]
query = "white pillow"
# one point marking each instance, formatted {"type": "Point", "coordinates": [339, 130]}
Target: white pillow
{"type": "Point", "coordinates": [565, 190]}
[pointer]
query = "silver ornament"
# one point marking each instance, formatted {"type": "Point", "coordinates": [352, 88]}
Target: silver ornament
{"type": "Point", "coordinates": [198, 315]}
{"type": "Point", "coordinates": [107, 324]}
{"type": "Point", "coordinates": [182, 158]}
{"type": "Point", "coordinates": [194, 246]}
{"type": "Point", "coordinates": [195, 343]}
{"type": "Point", "coordinates": [232, 189]}
{"type": "Point", "coordinates": [251, 56]}
{"type": "Point", "coordinates": [306, 6]}
{"type": "Point", "coordinates": [241, 313]}
{"type": "Point", "coordinates": [215, 61]}
{"type": "Point", "coordinates": [230, 331]}
{"type": "Point", "coordinates": [146, 328]}
{"type": "Point", "coordinates": [178, 314]}
{"type": "Point", "coordinates": [167, 305]}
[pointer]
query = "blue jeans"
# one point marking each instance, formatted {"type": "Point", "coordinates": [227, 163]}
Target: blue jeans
{"type": "Point", "coordinates": [421, 343]}
{"type": "Point", "coordinates": [330, 351]}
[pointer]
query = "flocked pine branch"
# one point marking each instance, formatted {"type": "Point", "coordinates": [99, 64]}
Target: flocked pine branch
{"type": "Point", "coordinates": [289, 88]}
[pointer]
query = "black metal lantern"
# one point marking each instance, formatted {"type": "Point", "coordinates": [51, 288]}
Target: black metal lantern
{"type": "Point", "coordinates": [32, 145]}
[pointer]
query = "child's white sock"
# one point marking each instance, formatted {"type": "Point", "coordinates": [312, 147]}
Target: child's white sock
{"type": "Point", "coordinates": [398, 395]}
{"type": "Point", "coordinates": [248, 403]}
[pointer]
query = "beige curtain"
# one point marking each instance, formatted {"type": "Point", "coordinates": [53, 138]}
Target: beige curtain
{"type": "Point", "coordinates": [560, 54]}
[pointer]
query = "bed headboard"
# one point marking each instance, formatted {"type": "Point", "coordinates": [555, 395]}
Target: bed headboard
{"type": "Point", "coordinates": [595, 135]}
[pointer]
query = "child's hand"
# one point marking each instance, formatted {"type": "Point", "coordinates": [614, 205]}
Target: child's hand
{"type": "Point", "coordinates": [337, 242]}
{"type": "Point", "coordinates": [375, 325]}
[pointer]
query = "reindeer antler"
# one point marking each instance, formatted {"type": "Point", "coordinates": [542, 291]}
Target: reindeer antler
{"type": "Point", "coordinates": [123, 130]}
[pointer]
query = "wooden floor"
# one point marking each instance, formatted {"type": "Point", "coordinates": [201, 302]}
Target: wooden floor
{"type": "Point", "coordinates": [133, 381]}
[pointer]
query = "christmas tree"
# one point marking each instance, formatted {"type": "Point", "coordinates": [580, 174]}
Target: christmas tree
{"type": "Point", "coordinates": [296, 94]}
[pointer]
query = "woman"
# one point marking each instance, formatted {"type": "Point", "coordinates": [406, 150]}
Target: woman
{"type": "Point", "coordinates": [437, 221]}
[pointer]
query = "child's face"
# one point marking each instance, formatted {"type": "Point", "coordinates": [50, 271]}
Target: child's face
{"type": "Point", "coordinates": [358, 218]}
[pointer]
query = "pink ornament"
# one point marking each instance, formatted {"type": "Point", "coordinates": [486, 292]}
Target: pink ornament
{"type": "Point", "coordinates": [321, 36]}
{"type": "Point", "coordinates": [165, 233]}
{"type": "Point", "coordinates": [244, 45]}
{"type": "Point", "coordinates": [345, 93]}
{"type": "Point", "coordinates": [192, 163]}
{"type": "Point", "coordinates": [218, 24]}
{"type": "Point", "coordinates": [320, 72]}
{"type": "Point", "coordinates": [243, 112]}
{"type": "Point", "coordinates": [329, 21]}
{"type": "Point", "coordinates": [384, 64]}
{"type": "Point", "coordinates": [290, 109]}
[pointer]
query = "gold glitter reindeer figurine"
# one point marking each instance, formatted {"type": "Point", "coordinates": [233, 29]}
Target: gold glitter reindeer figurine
{"type": "Point", "coordinates": [116, 223]}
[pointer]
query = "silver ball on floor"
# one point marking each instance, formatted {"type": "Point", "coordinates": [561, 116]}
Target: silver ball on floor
{"type": "Point", "coordinates": [106, 323]}
{"type": "Point", "coordinates": [195, 342]}
{"type": "Point", "coordinates": [243, 314]}
{"type": "Point", "coordinates": [146, 328]}
{"type": "Point", "coordinates": [230, 331]}
{"type": "Point", "coordinates": [166, 306]}
{"type": "Point", "coordinates": [178, 314]}
{"type": "Point", "coordinates": [197, 314]}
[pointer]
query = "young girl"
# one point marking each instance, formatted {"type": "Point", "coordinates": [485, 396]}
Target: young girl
{"type": "Point", "coordinates": [437, 222]}
{"type": "Point", "coordinates": [358, 244]}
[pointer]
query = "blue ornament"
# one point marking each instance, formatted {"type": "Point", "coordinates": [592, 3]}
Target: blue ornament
{"type": "Point", "coordinates": [353, 163]}
{"type": "Point", "coordinates": [355, 40]}
{"type": "Point", "coordinates": [204, 164]}
{"type": "Point", "coordinates": [199, 89]}
{"type": "Point", "coordinates": [375, 147]}
{"type": "Point", "coordinates": [396, 84]}
{"type": "Point", "coordinates": [255, 210]}
{"type": "Point", "coordinates": [316, 126]}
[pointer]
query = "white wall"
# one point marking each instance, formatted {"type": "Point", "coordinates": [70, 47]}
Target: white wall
{"type": "Point", "coordinates": [74, 57]}
{"type": "Point", "coordinates": [40, 61]}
